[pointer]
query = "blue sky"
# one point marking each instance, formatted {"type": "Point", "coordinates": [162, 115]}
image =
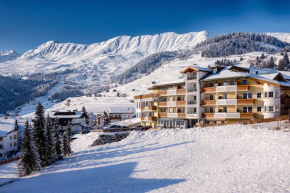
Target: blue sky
{"type": "Point", "coordinates": [25, 24]}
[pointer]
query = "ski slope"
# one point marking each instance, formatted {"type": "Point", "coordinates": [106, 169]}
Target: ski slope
{"type": "Point", "coordinates": [234, 158]}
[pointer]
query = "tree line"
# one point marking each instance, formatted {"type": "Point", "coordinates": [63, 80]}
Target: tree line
{"type": "Point", "coordinates": [43, 144]}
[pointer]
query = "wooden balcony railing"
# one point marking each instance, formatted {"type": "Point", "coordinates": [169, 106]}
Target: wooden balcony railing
{"type": "Point", "coordinates": [149, 108]}
{"type": "Point", "coordinates": [162, 92]}
{"type": "Point", "coordinates": [181, 115]}
{"type": "Point", "coordinates": [246, 101]}
{"type": "Point", "coordinates": [180, 91]}
{"type": "Point", "coordinates": [180, 103]}
{"type": "Point", "coordinates": [162, 104]}
{"type": "Point", "coordinates": [247, 115]}
{"type": "Point", "coordinates": [209, 102]}
{"type": "Point", "coordinates": [208, 115]}
{"type": "Point", "coordinates": [209, 89]}
{"type": "Point", "coordinates": [163, 114]}
{"type": "Point", "coordinates": [243, 87]}
{"type": "Point", "coordinates": [152, 95]}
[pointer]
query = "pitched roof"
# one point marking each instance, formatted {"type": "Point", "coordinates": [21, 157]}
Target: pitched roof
{"type": "Point", "coordinates": [6, 126]}
{"type": "Point", "coordinates": [167, 83]}
{"type": "Point", "coordinates": [195, 68]}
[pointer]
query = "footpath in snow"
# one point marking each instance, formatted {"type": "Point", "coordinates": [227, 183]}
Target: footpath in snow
{"type": "Point", "coordinates": [234, 158]}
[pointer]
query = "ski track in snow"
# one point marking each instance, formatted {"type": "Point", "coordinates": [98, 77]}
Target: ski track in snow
{"type": "Point", "coordinates": [234, 158]}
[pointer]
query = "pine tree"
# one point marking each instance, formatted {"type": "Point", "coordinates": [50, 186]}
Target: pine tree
{"type": "Point", "coordinates": [286, 58]}
{"type": "Point", "coordinates": [271, 63]}
{"type": "Point", "coordinates": [30, 161]}
{"type": "Point", "coordinates": [51, 152]}
{"type": "Point", "coordinates": [84, 109]}
{"type": "Point", "coordinates": [262, 56]}
{"type": "Point", "coordinates": [282, 65]}
{"type": "Point", "coordinates": [57, 142]}
{"type": "Point", "coordinates": [39, 134]}
{"type": "Point", "coordinates": [64, 143]}
{"type": "Point", "coordinates": [69, 130]}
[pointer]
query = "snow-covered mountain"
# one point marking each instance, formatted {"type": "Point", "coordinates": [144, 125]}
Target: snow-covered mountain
{"type": "Point", "coordinates": [102, 60]}
{"type": "Point", "coordinates": [281, 36]}
{"type": "Point", "coordinates": [8, 55]}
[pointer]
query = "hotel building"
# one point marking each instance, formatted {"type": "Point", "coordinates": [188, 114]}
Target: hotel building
{"type": "Point", "coordinates": [215, 95]}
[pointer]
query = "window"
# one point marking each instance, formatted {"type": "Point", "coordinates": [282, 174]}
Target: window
{"type": "Point", "coordinates": [245, 109]}
{"type": "Point", "coordinates": [194, 110]}
{"type": "Point", "coordinates": [265, 109]}
{"type": "Point", "coordinates": [211, 84]}
{"type": "Point", "coordinates": [1, 138]}
{"type": "Point", "coordinates": [271, 94]}
{"type": "Point", "coordinates": [225, 109]}
{"type": "Point", "coordinates": [271, 109]}
{"type": "Point", "coordinates": [15, 144]}
{"type": "Point", "coordinates": [1, 146]}
{"type": "Point", "coordinates": [250, 95]}
{"type": "Point", "coordinates": [265, 94]}
{"type": "Point", "coordinates": [211, 109]}
{"type": "Point", "coordinates": [277, 94]}
{"type": "Point", "coordinates": [250, 109]}
{"type": "Point", "coordinates": [10, 144]}
{"type": "Point", "coordinates": [225, 83]}
{"type": "Point", "coordinates": [194, 98]}
{"type": "Point", "coordinates": [225, 96]}
{"type": "Point", "coordinates": [10, 137]}
{"type": "Point", "coordinates": [211, 97]}
{"type": "Point", "coordinates": [244, 82]}
{"type": "Point", "coordinates": [232, 82]}
{"type": "Point", "coordinates": [15, 136]}
{"type": "Point", "coordinates": [259, 95]}
{"type": "Point", "coordinates": [245, 95]}
{"type": "Point", "coordinates": [214, 122]}
{"type": "Point", "coordinates": [259, 109]}
{"type": "Point", "coordinates": [1, 154]}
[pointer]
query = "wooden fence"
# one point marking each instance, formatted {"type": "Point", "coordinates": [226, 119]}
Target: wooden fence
{"type": "Point", "coordinates": [10, 160]}
{"type": "Point", "coordinates": [246, 122]}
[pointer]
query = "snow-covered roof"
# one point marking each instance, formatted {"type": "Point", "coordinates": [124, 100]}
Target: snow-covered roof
{"type": "Point", "coordinates": [74, 115]}
{"type": "Point", "coordinates": [226, 73]}
{"type": "Point", "coordinates": [6, 126]}
{"type": "Point", "coordinates": [167, 83]}
{"type": "Point", "coordinates": [120, 110]}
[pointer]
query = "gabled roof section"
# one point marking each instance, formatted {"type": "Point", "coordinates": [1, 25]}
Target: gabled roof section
{"type": "Point", "coordinates": [196, 69]}
{"type": "Point", "coordinates": [280, 77]}
{"type": "Point", "coordinates": [168, 83]}
{"type": "Point", "coordinates": [239, 69]}
{"type": "Point", "coordinates": [7, 126]}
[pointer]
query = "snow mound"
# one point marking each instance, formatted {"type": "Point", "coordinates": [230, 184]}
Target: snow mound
{"type": "Point", "coordinates": [83, 141]}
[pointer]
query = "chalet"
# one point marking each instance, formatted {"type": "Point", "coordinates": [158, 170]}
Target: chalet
{"type": "Point", "coordinates": [120, 113]}
{"type": "Point", "coordinates": [102, 119]}
{"type": "Point", "coordinates": [9, 137]}
{"type": "Point", "coordinates": [78, 119]}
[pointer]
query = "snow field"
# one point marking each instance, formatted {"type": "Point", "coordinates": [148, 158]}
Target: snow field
{"type": "Point", "coordinates": [235, 158]}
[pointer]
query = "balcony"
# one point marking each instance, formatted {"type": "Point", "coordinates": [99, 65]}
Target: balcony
{"type": "Point", "coordinates": [209, 102]}
{"type": "Point", "coordinates": [243, 87]}
{"type": "Point", "coordinates": [192, 116]}
{"type": "Point", "coordinates": [149, 108]}
{"type": "Point", "coordinates": [246, 101]}
{"type": "Point", "coordinates": [180, 103]}
{"type": "Point", "coordinates": [228, 88]}
{"type": "Point", "coordinates": [171, 92]}
{"type": "Point", "coordinates": [162, 92]}
{"type": "Point", "coordinates": [226, 102]}
{"type": "Point", "coordinates": [209, 89]}
{"type": "Point", "coordinates": [163, 114]}
{"type": "Point", "coordinates": [146, 96]}
{"type": "Point", "coordinates": [181, 115]}
{"type": "Point", "coordinates": [150, 118]}
{"type": "Point", "coordinates": [162, 104]}
{"type": "Point", "coordinates": [222, 115]}
{"type": "Point", "coordinates": [191, 102]}
{"type": "Point", "coordinates": [247, 115]}
{"type": "Point", "coordinates": [180, 91]}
